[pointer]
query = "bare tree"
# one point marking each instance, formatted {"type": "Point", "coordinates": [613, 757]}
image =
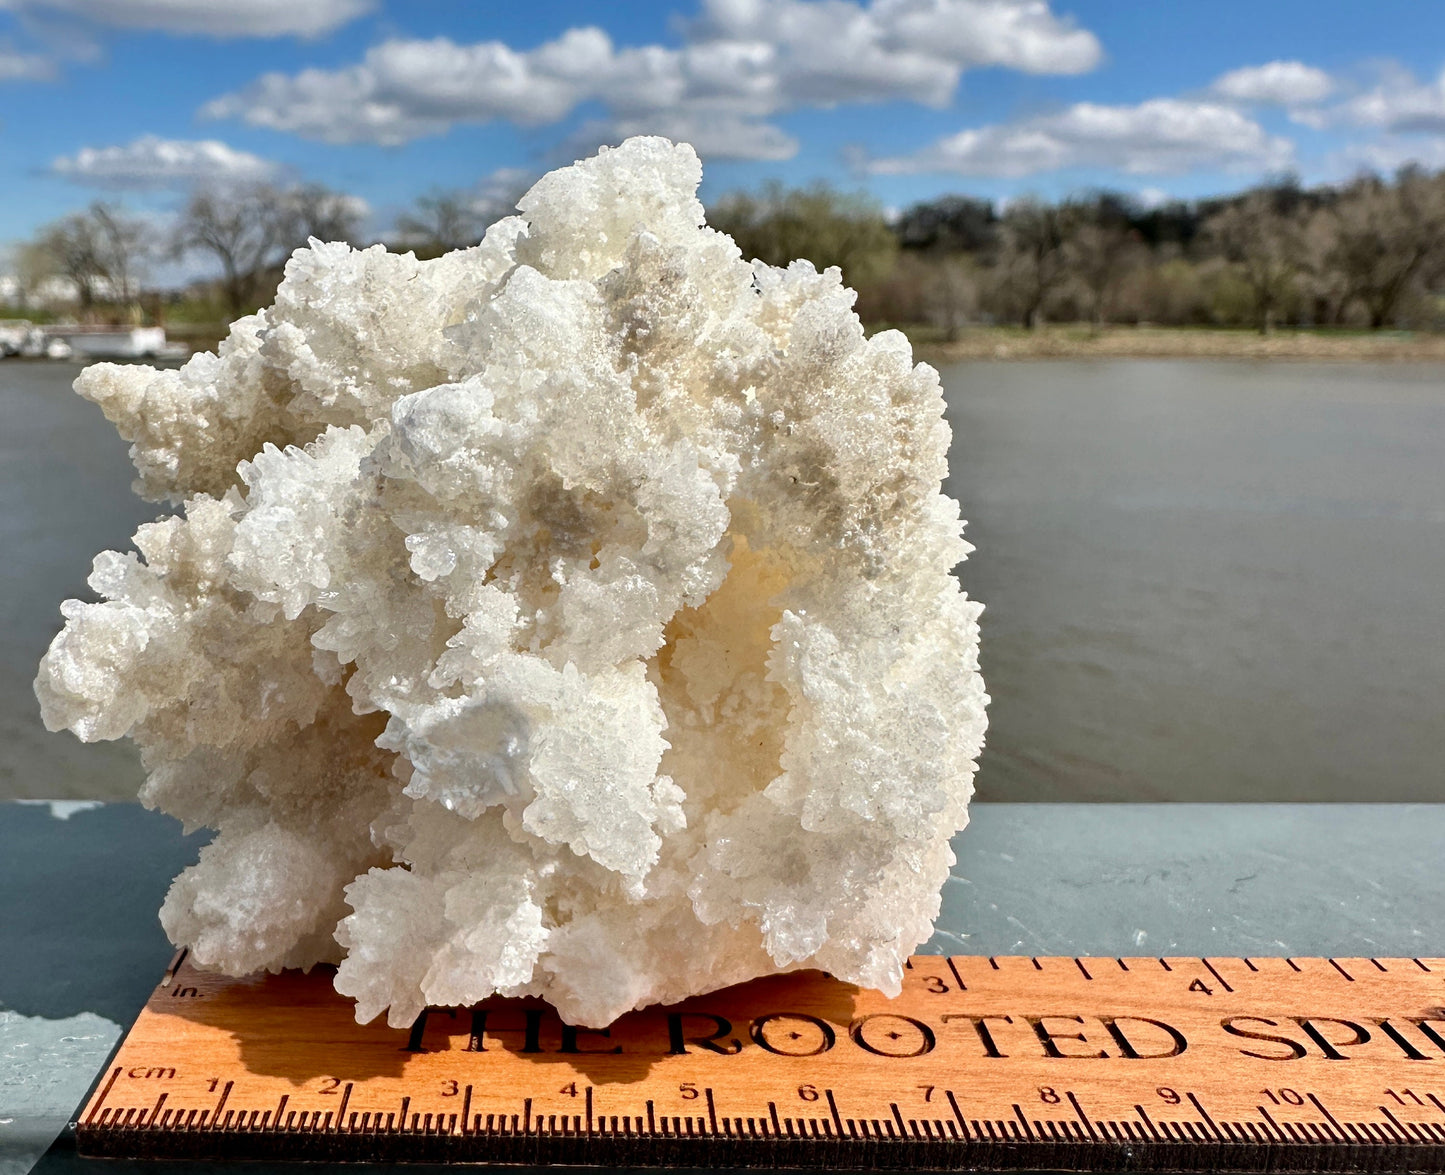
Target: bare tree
{"type": "Point", "coordinates": [1385, 235]}
{"type": "Point", "coordinates": [1100, 251]}
{"type": "Point", "coordinates": [1032, 262]}
{"type": "Point", "coordinates": [250, 229]}
{"type": "Point", "coordinates": [951, 294]}
{"type": "Point", "coordinates": [124, 243]}
{"type": "Point", "coordinates": [244, 229]}
{"type": "Point", "coordinates": [99, 251]}
{"type": "Point", "coordinates": [1266, 245]}
{"type": "Point", "coordinates": [440, 222]}
{"type": "Point", "coordinates": [320, 212]}
{"type": "Point", "coordinates": [33, 264]}
{"type": "Point", "coordinates": [1325, 285]}
{"type": "Point", "coordinates": [819, 224]}
{"type": "Point", "coordinates": [71, 248]}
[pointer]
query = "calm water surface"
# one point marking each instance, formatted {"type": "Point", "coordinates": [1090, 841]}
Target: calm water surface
{"type": "Point", "coordinates": [64, 495]}
{"type": "Point", "coordinates": [1203, 580]}
{"type": "Point", "coordinates": [1207, 581]}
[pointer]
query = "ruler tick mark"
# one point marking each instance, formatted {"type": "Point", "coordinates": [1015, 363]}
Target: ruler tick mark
{"type": "Point", "coordinates": [1203, 1113]}
{"type": "Point", "coordinates": [1084, 1118]}
{"type": "Point", "coordinates": [958, 1113]}
{"type": "Point", "coordinates": [180, 957]}
{"type": "Point", "coordinates": [104, 1093]}
{"type": "Point", "coordinates": [1342, 971]}
{"type": "Point", "coordinates": [1224, 983]}
{"type": "Point", "coordinates": [1400, 1127]}
{"type": "Point", "coordinates": [220, 1105]}
{"type": "Point", "coordinates": [1019, 1113]}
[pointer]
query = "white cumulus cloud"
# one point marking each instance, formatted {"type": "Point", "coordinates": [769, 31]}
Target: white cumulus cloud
{"type": "Point", "coordinates": [1398, 102]}
{"type": "Point", "coordinates": [152, 162]}
{"type": "Point", "coordinates": [716, 136]}
{"type": "Point", "coordinates": [1388, 153]}
{"type": "Point", "coordinates": [740, 63]}
{"type": "Point", "coordinates": [216, 18]}
{"type": "Point", "coordinates": [1276, 83]}
{"type": "Point", "coordinates": [405, 89]}
{"type": "Point", "coordinates": [24, 67]}
{"type": "Point", "coordinates": [1159, 137]}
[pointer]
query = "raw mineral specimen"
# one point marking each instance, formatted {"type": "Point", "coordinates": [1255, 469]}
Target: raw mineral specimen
{"type": "Point", "coordinates": [572, 615]}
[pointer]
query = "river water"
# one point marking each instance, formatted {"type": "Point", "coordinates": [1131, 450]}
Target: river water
{"type": "Point", "coordinates": [1207, 580]}
{"type": "Point", "coordinates": [1204, 580]}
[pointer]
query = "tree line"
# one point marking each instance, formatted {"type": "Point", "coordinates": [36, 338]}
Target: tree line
{"type": "Point", "coordinates": [1367, 253]}
{"type": "Point", "coordinates": [246, 233]}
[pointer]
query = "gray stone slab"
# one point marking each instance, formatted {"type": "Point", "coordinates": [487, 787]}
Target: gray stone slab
{"type": "Point", "coordinates": [78, 904]}
{"type": "Point", "coordinates": [1197, 879]}
{"type": "Point", "coordinates": [80, 950]}
{"type": "Point", "coordinates": [46, 1066]}
{"type": "Point", "coordinates": [79, 935]}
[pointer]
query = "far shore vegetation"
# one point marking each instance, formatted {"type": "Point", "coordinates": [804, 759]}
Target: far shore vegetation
{"type": "Point", "coordinates": [1353, 271]}
{"type": "Point", "coordinates": [1082, 341]}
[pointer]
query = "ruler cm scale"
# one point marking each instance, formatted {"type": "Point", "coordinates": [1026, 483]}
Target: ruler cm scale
{"type": "Point", "coordinates": [981, 1063]}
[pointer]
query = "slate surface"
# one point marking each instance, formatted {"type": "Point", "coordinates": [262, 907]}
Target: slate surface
{"type": "Point", "coordinates": [78, 901]}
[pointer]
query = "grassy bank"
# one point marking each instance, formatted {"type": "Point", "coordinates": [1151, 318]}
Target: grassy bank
{"type": "Point", "coordinates": [1143, 342]}
{"type": "Point", "coordinates": [1075, 341]}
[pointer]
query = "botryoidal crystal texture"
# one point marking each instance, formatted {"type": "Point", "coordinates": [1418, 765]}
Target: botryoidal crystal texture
{"type": "Point", "coordinates": [571, 616]}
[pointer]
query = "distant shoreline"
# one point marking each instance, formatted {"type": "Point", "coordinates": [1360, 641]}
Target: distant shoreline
{"type": "Point", "coordinates": [1074, 341]}
{"type": "Point", "coordinates": [1077, 341]}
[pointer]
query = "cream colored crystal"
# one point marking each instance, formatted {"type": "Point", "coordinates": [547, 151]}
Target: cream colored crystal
{"type": "Point", "coordinates": [572, 615]}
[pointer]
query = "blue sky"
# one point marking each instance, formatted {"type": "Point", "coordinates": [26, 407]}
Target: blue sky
{"type": "Point", "coordinates": [139, 100]}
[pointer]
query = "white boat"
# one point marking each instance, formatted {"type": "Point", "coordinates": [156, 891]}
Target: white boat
{"type": "Point", "coordinates": [131, 342]}
{"type": "Point", "coordinates": [19, 336]}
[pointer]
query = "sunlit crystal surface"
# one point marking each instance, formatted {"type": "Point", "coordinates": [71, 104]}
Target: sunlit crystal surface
{"type": "Point", "coordinates": [571, 616]}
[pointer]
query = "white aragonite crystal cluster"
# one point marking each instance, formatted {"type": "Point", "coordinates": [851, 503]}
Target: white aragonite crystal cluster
{"type": "Point", "coordinates": [572, 616]}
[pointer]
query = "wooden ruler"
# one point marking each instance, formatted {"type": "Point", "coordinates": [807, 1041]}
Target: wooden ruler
{"type": "Point", "coordinates": [982, 1063]}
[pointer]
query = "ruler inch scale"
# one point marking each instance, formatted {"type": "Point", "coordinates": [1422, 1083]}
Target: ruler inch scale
{"type": "Point", "coordinates": [981, 1063]}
